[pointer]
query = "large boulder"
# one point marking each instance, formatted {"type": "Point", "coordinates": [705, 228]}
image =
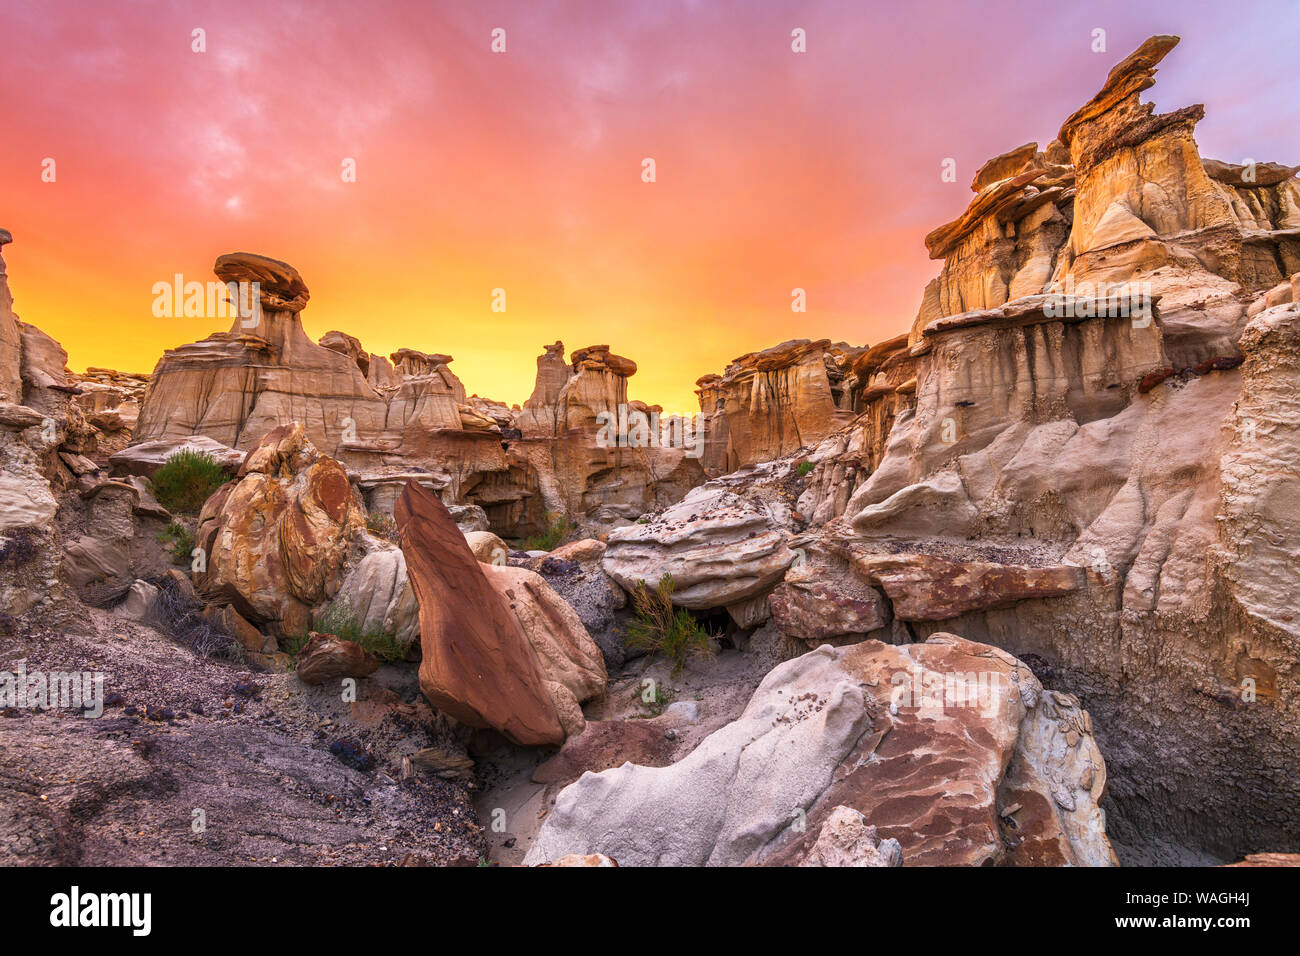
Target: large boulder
{"type": "Point", "coordinates": [500, 649]}
{"type": "Point", "coordinates": [276, 539]}
{"type": "Point", "coordinates": [926, 587]}
{"type": "Point", "coordinates": [570, 660]}
{"type": "Point", "coordinates": [326, 657]}
{"type": "Point", "coordinates": [720, 549]}
{"type": "Point", "coordinates": [951, 748]}
{"type": "Point", "coordinates": [376, 587]}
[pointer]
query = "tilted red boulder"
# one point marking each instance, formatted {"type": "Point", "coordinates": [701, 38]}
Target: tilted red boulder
{"type": "Point", "coordinates": [498, 650]}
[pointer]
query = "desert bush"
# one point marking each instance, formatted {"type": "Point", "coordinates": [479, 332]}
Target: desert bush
{"type": "Point", "coordinates": [186, 480]}
{"type": "Point", "coordinates": [382, 526]}
{"type": "Point", "coordinates": [291, 644]}
{"type": "Point", "coordinates": [804, 468]}
{"type": "Point", "coordinates": [179, 616]}
{"type": "Point", "coordinates": [658, 627]}
{"type": "Point", "coordinates": [558, 527]}
{"type": "Point", "coordinates": [340, 619]}
{"type": "Point", "coordinates": [179, 542]}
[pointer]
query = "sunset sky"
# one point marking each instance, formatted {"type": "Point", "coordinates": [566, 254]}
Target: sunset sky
{"type": "Point", "coordinates": [522, 170]}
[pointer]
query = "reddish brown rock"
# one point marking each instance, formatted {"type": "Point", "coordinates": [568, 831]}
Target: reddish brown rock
{"type": "Point", "coordinates": [933, 745]}
{"type": "Point", "coordinates": [276, 539]}
{"type": "Point", "coordinates": [281, 287]}
{"type": "Point", "coordinates": [476, 664]}
{"type": "Point", "coordinates": [818, 602]}
{"type": "Point", "coordinates": [1151, 379]}
{"type": "Point", "coordinates": [500, 648]}
{"type": "Point", "coordinates": [325, 657]}
{"type": "Point", "coordinates": [230, 620]}
{"type": "Point", "coordinates": [923, 587]}
{"type": "Point", "coordinates": [604, 744]}
{"type": "Point", "coordinates": [931, 772]}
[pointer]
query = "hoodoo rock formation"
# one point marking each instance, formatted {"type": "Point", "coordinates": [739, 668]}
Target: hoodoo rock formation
{"type": "Point", "coordinates": [388, 420]}
{"type": "Point", "coordinates": [578, 451]}
{"type": "Point", "coordinates": [770, 403]}
{"type": "Point", "coordinates": [1083, 452]}
{"type": "Point", "coordinates": [381, 420]}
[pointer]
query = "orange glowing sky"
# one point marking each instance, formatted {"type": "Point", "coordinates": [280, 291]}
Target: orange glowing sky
{"type": "Point", "coordinates": [522, 170]}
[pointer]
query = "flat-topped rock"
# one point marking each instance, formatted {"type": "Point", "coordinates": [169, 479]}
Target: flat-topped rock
{"type": "Point", "coordinates": [923, 587]}
{"type": "Point", "coordinates": [147, 457]}
{"type": "Point", "coordinates": [282, 288]}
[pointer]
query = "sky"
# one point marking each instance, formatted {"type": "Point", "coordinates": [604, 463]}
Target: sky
{"type": "Point", "coordinates": [523, 170]}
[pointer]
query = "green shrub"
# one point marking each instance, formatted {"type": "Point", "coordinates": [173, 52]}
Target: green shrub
{"type": "Point", "coordinates": [558, 527]}
{"type": "Point", "coordinates": [339, 618]}
{"type": "Point", "coordinates": [804, 468]}
{"type": "Point", "coordinates": [186, 480]}
{"type": "Point", "coordinates": [179, 541]}
{"type": "Point", "coordinates": [660, 627]}
{"type": "Point", "coordinates": [291, 644]}
{"type": "Point", "coordinates": [382, 526]}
